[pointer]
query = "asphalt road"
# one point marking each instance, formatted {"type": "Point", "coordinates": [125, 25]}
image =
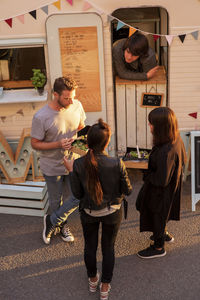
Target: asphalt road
{"type": "Point", "coordinates": [29, 269]}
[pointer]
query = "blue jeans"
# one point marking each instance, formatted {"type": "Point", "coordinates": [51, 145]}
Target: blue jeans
{"type": "Point", "coordinates": [61, 200]}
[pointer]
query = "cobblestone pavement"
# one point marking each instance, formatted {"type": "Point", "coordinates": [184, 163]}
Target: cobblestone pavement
{"type": "Point", "coordinates": [29, 269]}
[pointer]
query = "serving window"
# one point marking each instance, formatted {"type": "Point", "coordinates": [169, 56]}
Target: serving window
{"type": "Point", "coordinates": [16, 66]}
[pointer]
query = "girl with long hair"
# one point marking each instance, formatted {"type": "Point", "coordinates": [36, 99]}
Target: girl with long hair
{"type": "Point", "coordinates": [100, 183]}
{"type": "Point", "coordinates": [159, 198]}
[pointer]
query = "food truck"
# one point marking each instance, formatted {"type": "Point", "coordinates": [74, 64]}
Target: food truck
{"type": "Point", "coordinates": [75, 38]}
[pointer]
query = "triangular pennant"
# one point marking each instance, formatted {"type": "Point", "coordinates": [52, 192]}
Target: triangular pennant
{"type": "Point", "coordinates": [3, 119]}
{"type": "Point", "coordinates": [86, 6]}
{"type": "Point", "coordinates": [45, 9]}
{"type": "Point", "coordinates": [120, 25]}
{"type": "Point", "coordinates": [110, 18]}
{"type": "Point", "coordinates": [194, 115]}
{"type": "Point", "coordinates": [21, 18]}
{"type": "Point", "coordinates": [70, 2]}
{"type": "Point", "coordinates": [33, 13]}
{"type": "Point", "coordinates": [57, 4]}
{"type": "Point", "coordinates": [155, 37]}
{"type": "Point", "coordinates": [132, 30]}
{"type": "Point", "coordinates": [169, 39]}
{"type": "Point", "coordinates": [195, 34]}
{"type": "Point", "coordinates": [9, 22]}
{"type": "Point", "coordinates": [20, 112]}
{"type": "Point", "coordinates": [182, 37]}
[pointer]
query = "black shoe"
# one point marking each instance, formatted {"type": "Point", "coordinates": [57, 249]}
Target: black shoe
{"type": "Point", "coordinates": [66, 234]}
{"type": "Point", "coordinates": [48, 229]}
{"type": "Point", "coordinates": [151, 252]}
{"type": "Point", "coordinates": [167, 237]}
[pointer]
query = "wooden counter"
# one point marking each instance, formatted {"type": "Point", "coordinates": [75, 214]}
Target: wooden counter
{"type": "Point", "coordinates": [136, 164]}
{"type": "Point", "coordinates": [132, 117]}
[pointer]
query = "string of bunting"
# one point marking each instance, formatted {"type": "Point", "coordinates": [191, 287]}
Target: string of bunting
{"type": "Point", "coordinates": [88, 4]}
{"type": "Point", "coordinates": [20, 112]}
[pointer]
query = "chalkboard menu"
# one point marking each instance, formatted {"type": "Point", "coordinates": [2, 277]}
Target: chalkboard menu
{"type": "Point", "coordinates": [79, 59]}
{"type": "Point", "coordinates": [151, 100]}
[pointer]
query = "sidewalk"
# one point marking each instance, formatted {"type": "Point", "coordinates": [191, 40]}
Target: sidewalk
{"type": "Point", "coordinates": [31, 270]}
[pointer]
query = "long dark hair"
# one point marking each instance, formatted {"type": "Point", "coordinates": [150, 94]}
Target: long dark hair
{"type": "Point", "coordinates": [97, 138]}
{"type": "Point", "coordinates": [165, 126]}
{"type": "Point", "coordinates": [137, 44]}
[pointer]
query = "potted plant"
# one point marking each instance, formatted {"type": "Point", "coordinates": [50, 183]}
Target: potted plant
{"type": "Point", "coordinates": [38, 80]}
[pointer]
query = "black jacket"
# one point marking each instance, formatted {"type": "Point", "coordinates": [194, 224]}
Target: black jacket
{"type": "Point", "coordinates": [161, 191]}
{"type": "Point", "coordinates": [113, 178]}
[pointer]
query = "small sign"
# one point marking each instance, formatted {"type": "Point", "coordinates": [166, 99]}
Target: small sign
{"type": "Point", "coordinates": [151, 100]}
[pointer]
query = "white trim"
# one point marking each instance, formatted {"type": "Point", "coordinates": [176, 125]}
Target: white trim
{"type": "Point", "coordinates": [22, 42]}
{"type": "Point", "coordinates": [22, 95]}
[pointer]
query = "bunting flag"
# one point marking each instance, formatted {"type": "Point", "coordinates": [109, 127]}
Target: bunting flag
{"type": "Point", "coordinates": [132, 31]}
{"type": "Point", "coordinates": [195, 34]}
{"type": "Point", "coordinates": [33, 14]}
{"type": "Point", "coordinates": [57, 4]}
{"type": "Point", "coordinates": [120, 25]}
{"type": "Point", "coordinates": [86, 6]}
{"type": "Point", "coordinates": [182, 37]}
{"type": "Point", "coordinates": [3, 119]}
{"type": "Point", "coordinates": [21, 18]}
{"type": "Point", "coordinates": [155, 37]}
{"type": "Point", "coordinates": [169, 39]}
{"type": "Point", "coordinates": [20, 112]}
{"type": "Point", "coordinates": [110, 18]}
{"type": "Point", "coordinates": [45, 9]}
{"type": "Point", "coordinates": [9, 22]}
{"type": "Point", "coordinates": [193, 115]}
{"type": "Point", "coordinates": [70, 2]}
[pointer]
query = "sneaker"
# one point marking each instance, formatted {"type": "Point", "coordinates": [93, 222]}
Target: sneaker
{"type": "Point", "coordinates": [66, 234]}
{"type": "Point", "coordinates": [48, 229]}
{"type": "Point", "coordinates": [151, 252]}
{"type": "Point", "coordinates": [167, 236]}
{"type": "Point", "coordinates": [93, 284]}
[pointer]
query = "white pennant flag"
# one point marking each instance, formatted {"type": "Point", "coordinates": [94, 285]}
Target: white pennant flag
{"type": "Point", "coordinates": [169, 39]}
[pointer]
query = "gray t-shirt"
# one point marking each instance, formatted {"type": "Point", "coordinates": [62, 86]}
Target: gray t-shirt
{"type": "Point", "coordinates": [49, 125]}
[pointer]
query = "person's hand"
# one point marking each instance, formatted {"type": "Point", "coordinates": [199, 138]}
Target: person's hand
{"type": "Point", "coordinates": [66, 143]}
{"type": "Point", "coordinates": [68, 164]}
{"type": "Point", "coordinates": [152, 72]}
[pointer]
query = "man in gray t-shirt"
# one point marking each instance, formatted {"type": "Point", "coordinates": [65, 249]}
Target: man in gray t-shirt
{"type": "Point", "coordinates": [54, 128]}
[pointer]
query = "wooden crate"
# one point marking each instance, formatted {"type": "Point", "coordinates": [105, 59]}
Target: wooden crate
{"type": "Point", "coordinates": [28, 198]}
{"type": "Point", "coordinates": [132, 118]}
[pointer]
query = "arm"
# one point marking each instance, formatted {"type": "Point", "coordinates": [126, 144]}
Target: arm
{"type": "Point", "coordinates": [76, 186]}
{"type": "Point", "coordinates": [125, 185]}
{"type": "Point", "coordinates": [40, 145]}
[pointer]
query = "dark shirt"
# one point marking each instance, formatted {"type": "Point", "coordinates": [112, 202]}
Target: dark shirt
{"type": "Point", "coordinates": [137, 70]}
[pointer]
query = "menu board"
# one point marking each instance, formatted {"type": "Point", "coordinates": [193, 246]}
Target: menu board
{"type": "Point", "coordinates": [79, 60]}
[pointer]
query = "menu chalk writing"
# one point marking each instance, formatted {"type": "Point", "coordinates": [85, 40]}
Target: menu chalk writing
{"type": "Point", "coordinates": [151, 100]}
{"type": "Point", "coordinates": [79, 59]}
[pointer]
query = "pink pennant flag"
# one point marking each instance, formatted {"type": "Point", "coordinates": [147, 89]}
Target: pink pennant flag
{"type": "Point", "coordinates": [86, 6]}
{"type": "Point", "coordinates": [9, 22]}
{"type": "Point", "coordinates": [21, 18]}
{"type": "Point", "coordinates": [169, 39]}
{"type": "Point", "coordinates": [193, 115]}
{"type": "Point", "coordinates": [70, 2]}
{"type": "Point", "coordinates": [155, 37]}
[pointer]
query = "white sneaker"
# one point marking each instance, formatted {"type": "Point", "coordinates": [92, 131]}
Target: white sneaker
{"type": "Point", "coordinates": [66, 234]}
